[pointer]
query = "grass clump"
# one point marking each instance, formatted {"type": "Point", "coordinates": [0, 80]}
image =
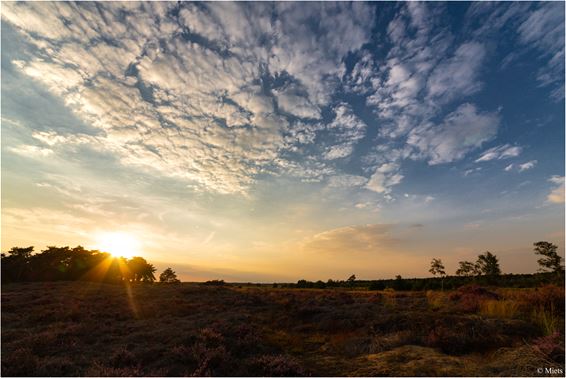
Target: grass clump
{"type": "Point", "coordinates": [503, 309]}
{"type": "Point", "coordinates": [436, 300]}
{"type": "Point", "coordinates": [546, 319]}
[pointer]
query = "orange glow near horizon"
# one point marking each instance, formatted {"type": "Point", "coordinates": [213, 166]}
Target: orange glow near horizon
{"type": "Point", "coordinates": [118, 244]}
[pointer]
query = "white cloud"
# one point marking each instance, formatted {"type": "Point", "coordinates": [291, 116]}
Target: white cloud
{"type": "Point", "coordinates": [292, 101]}
{"type": "Point", "coordinates": [162, 102]}
{"type": "Point", "coordinates": [468, 172]}
{"type": "Point", "coordinates": [338, 152]}
{"type": "Point", "coordinates": [457, 76]}
{"type": "Point", "coordinates": [384, 177]}
{"type": "Point", "coordinates": [460, 132]}
{"type": "Point", "coordinates": [31, 151]}
{"type": "Point", "coordinates": [425, 70]}
{"type": "Point", "coordinates": [508, 168]}
{"type": "Point", "coordinates": [557, 193]}
{"type": "Point", "coordinates": [347, 181]}
{"type": "Point", "coordinates": [526, 166]}
{"type": "Point", "coordinates": [346, 130]}
{"type": "Point", "coordinates": [500, 152]}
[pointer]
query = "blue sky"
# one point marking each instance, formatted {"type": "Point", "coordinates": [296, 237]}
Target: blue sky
{"type": "Point", "coordinates": [278, 141]}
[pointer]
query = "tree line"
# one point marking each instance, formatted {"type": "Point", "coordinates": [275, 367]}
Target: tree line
{"type": "Point", "coordinates": [485, 271]}
{"type": "Point", "coordinates": [488, 264]}
{"type": "Point", "coordinates": [70, 264]}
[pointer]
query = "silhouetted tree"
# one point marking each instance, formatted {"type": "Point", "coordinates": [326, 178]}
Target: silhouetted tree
{"type": "Point", "coordinates": [488, 264]}
{"type": "Point", "coordinates": [15, 265]}
{"type": "Point", "coordinates": [65, 263]}
{"type": "Point", "coordinates": [141, 270]}
{"type": "Point", "coordinates": [22, 253]}
{"type": "Point", "coordinates": [467, 269]}
{"type": "Point", "coordinates": [437, 268]}
{"type": "Point", "coordinates": [168, 276]}
{"type": "Point", "coordinates": [350, 281]}
{"type": "Point", "coordinates": [550, 260]}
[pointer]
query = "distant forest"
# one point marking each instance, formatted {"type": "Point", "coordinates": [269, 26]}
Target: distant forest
{"type": "Point", "coordinates": [70, 264]}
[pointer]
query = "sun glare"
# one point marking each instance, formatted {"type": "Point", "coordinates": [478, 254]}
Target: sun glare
{"type": "Point", "coordinates": [119, 244]}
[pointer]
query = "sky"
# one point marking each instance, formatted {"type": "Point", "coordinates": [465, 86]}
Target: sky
{"type": "Point", "coordinates": [280, 141]}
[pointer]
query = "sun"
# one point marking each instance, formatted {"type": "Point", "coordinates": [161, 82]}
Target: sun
{"type": "Point", "coordinates": [118, 244]}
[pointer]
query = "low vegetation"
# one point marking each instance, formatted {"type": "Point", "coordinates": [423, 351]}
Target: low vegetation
{"type": "Point", "coordinates": [127, 329]}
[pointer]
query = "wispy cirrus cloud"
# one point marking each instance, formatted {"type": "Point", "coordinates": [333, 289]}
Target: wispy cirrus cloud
{"type": "Point", "coordinates": [521, 167]}
{"type": "Point", "coordinates": [352, 240]}
{"type": "Point", "coordinates": [499, 152]}
{"type": "Point", "coordinates": [537, 27]}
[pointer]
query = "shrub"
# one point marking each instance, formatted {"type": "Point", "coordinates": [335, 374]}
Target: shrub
{"type": "Point", "coordinates": [547, 297]}
{"type": "Point", "coordinates": [552, 346]}
{"type": "Point", "coordinates": [376, 285]}
{"type": "Point", "coordinates": [469, 298]}
{"type": "Point", "coordinates": [460, 336]}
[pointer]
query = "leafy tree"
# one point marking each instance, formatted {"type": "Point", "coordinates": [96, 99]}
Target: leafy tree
{"type": "Point", "coordinates": [168, 276]}
{"type": "Point", "coordinates": [141, 270]}
{"type": "Point", "coordinates": [16, 264]}
{"type": "Point", "coordinates": [488, 264]}
{"type": "Point", "coordinates": [467, 269]}
{"type": "Point", "coordinates": [22, 253]}
{"type": "Point", "coordinates": [550, 260]}
{"type": "Point", "coordinates": [437, 268]}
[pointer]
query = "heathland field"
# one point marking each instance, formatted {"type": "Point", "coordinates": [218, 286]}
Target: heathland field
{"type": "Point", "coordinates": [100, 329]}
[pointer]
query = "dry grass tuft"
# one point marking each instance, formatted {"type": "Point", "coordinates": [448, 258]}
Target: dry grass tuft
{"type": "Point", "coordinates": [436, 300]}
{"type": "Point", "coordinates": [503, 309]}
